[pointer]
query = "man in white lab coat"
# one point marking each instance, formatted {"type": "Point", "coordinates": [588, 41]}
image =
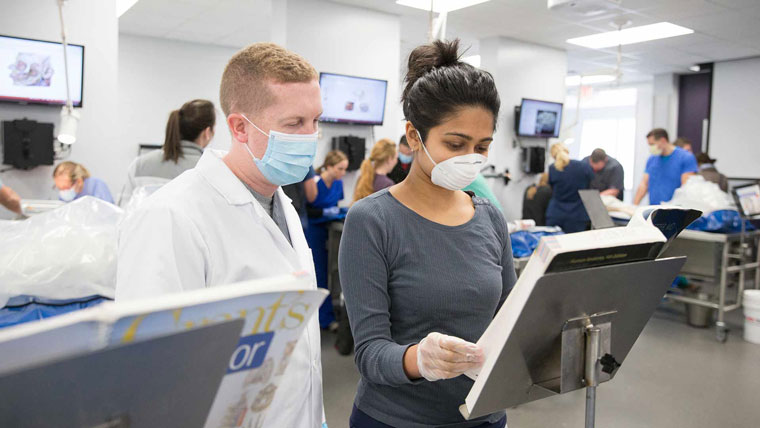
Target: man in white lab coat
{"type": "Point", "coordinates": [228, 220]}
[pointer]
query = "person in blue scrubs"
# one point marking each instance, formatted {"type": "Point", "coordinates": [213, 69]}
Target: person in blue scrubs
{"type": "Point", "coordinates": [668, 168]}
{"type": "Point", "coordinates": [73, 181]}
{"type": "Point", "coordinates": [322, 210]}
{"type": "Point", "coordinates": [566, 177]}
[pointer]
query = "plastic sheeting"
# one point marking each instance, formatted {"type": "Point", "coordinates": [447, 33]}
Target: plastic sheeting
{"type": "Point", "coordinates": [702, 195]}
{"type": "Point", "coordinates": [65, 253]}
{"type": "Point", "coordinates": [525, 241]}
{"type": "Point", "coordinates": [722, 221]}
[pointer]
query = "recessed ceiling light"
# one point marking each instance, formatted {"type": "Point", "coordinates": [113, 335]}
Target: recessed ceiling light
{"type": "Point", "coordinates": [644, 33]}
{"type": "Point", "coordinates": [473, 60]}
{"type": "Point", "coordinates": [695, 68]}
{"type": "Point", "coordinates": [588, 80]}
{"type": "Point", "coordinates": [440, 5]}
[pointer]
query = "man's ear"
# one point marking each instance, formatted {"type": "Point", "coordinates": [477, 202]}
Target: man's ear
{"type": "Point", "coordinates": [236, 123]}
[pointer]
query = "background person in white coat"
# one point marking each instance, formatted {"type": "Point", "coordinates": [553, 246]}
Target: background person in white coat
{"type": "Point", "coordinates": [228, 220]}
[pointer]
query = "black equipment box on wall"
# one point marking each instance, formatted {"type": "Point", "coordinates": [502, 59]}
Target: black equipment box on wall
{"type": "Point", "coordinates": [354, 148]}
{"type": "Point", "coordinates": [533, 160]}
{"type": "Point", "coordinates": [27, 143]}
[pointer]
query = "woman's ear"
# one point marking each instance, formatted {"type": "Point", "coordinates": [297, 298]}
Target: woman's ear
{"type": "Point", "coordinates": [79, 185]}
{"type": "Point", "coordinates": [412, 137]}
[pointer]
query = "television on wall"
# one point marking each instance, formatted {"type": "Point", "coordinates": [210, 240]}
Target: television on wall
{"type": "Point", "coordinates": [541, 119]}
{"type": "Point", "coordinates": [32, 71]}
{"type": "Point", "coordinates": [351, 99]}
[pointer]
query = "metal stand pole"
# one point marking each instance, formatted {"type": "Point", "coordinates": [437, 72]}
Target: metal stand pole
{"type": "Point", "coordinates": [593, 342]}
{"type": "Point", "coordinates": [590, 406]}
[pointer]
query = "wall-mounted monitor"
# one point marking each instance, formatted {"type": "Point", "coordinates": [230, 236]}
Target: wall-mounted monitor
{"type": "Point", "coordinates": [32, 71]}
{"type": "Point", "coordinates": [352, 100]}
{"type": "Point", "coordinates": [541, 119]}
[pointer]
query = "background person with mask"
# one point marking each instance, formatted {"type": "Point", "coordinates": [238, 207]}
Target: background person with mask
{"type": "Point", "coordinates": [227, 220]}
{"type": "Point", "coordinates": [73, 181]}
{"type": "Point", "coordinates": [608, 174]}
{"type": "Point", "coordinates": [566, 177]}
{"type": "Point", "coordinates": [667, 169]}
{"type": "Point", "coordinates": [425, 266]}
{"type": "Point", "coordinates": [401, 169]}
{"type": "Point", "coordinates": [188, 131]}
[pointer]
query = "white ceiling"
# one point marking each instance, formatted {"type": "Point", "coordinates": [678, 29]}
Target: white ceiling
{"type": "Point", "coordinates": [724, 29]}
{"type": "Point", "coordinates": [218, 22]}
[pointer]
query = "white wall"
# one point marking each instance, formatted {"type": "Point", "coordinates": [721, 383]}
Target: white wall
{"type": "Point", "coordinates": [521, 70]}
{"type": "Point", "coordinates": [94, 25]}
{"type": "Point", "coordinates": [348, 40]}
{"type": "Point", "coordinates": [665, 103]}
{"type": "Point", "coordinates": [734, 117]}
{"type": "Point", "coordinates": [157, 76]}
{"type": "Point", "coordinates": [644, 123]}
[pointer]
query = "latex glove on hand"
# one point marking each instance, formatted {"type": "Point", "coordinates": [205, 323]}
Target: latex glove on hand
{"type": "Point", "coordinates": [331, 212]}
{"type": "Point", "coordinates": [444, 357]}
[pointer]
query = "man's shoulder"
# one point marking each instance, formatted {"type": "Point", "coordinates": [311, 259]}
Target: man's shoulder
{"type": "Point", "coordinates": [183, 194]}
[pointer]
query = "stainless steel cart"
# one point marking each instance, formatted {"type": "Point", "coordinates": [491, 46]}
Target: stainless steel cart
{"type": "Point", "coordinates": [721, 264]}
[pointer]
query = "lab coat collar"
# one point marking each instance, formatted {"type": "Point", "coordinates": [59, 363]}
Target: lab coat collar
{"type": "Point", "coordinates": [213, 169]}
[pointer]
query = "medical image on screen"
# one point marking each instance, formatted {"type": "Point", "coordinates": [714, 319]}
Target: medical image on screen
{"type": "Point", "coordinates": [349, 99]}
{"type": "Point", "coordinates": [31, 70]}
{"type": "Point", "coordinates": [546, 121]}
{"type": "Point", "coordinates": [539, 119]}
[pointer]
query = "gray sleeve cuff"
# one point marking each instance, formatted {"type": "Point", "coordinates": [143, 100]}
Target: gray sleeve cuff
{"type": "Point", "coordinates": [396, 366]}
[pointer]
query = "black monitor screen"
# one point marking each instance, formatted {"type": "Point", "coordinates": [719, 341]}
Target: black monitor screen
{"type": "Point", "coordinates": [27, 143]}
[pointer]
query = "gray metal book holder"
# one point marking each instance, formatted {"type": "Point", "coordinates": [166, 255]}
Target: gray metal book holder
{"type": "Point", "coordinates": [574, 332]}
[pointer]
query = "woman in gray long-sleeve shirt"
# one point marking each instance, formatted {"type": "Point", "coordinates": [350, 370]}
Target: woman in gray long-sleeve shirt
{"type": "Point", "coordinates": [425, 266]}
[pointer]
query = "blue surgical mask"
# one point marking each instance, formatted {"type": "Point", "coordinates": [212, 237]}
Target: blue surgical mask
{"type": "Point", "coordinates": [288, 156]}
{"type": "Point", "coordinates": [405, 158]}
{"type": "Point", "coordinates": [67, 195]}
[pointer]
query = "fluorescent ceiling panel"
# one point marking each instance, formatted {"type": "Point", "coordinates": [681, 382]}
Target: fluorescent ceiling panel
{"type": "Point", "coordinates": [645, 33]}
{"type": "Point", "coordinates": [440, 5]}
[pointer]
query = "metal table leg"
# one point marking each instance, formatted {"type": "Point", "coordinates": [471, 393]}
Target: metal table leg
{"type": "Point", "coordinates": [721, 331]}
{"type": "Point", "coordinates": [593, 343]}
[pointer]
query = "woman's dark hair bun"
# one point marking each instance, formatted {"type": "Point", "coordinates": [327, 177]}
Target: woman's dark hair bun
{"type": "Point", "coordinates": [437, 84]}
{"type": "Point", "coordinates": [425, 58]}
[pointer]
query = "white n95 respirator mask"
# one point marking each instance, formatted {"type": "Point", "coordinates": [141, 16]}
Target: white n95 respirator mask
{"type": "Point", "coordinates": [457, 172]}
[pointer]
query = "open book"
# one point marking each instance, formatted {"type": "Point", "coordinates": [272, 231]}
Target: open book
{"type": "Point", "coordinates": [642, 240]}
{"type": "Point", "coordinates": [276, 311]}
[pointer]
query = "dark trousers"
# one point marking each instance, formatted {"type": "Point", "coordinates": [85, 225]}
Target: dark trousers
{"type": "Point", "coordinates": [360, 419]}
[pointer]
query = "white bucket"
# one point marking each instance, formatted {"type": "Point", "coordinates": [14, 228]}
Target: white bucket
{"type": "Point", "coordinates": [752, 316]}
